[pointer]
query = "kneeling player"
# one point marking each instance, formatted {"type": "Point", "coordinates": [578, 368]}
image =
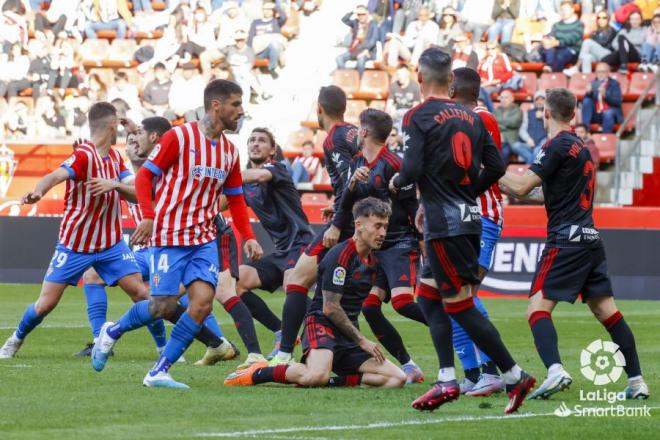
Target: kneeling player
{"type": "Point", "coordinates": [573, 260]}
{"type": "Point", "coordinates": [332, 340]}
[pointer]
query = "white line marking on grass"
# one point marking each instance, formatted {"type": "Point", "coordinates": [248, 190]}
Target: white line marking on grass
{"type": "Point", "coordinates": [13, 327]}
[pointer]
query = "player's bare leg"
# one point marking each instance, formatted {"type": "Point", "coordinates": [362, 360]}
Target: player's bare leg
{"type": "Point", "coordinates": [49, 297]}
{"type": "Point", "coordinates": [382, 374]}
{"type": "Point", "coordinates": [387, 334]}
{"type": "Point", "coordinates": [607, 313]}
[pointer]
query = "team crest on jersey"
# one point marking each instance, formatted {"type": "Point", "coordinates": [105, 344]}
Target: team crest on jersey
{"type": "Point", "coordinates": [405, 137]}
{"type": "Point", "coordinates": [339, 276]}
{"type": "Point", "coordinates": [154, 152]}
{"type": "Point", "coordinates": [199, 172]}
{"type": "Point", "coordinates": [539, 157]}
{"type": "Point", "coordinates": [69, 161]}
{"type": "Point", "coordinates": [155, 279]}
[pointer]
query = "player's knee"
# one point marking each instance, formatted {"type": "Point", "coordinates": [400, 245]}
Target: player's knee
{"type": "Point", "coordinates": [163, 307]}
{"type": "Point", "coordinates": [315, 379]}
{"type": "Point", "coordinates": [91, 277]}
{"type": "Point", "coordinates": [44, 307]}
{"type": "Point", "coordinates": [397, 380]}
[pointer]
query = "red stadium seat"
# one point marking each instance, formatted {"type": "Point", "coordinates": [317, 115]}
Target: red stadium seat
{"type": "Point", "coordinates": [353, 109]}
{"type": "Point", "coordinates": [375, 84]}
{"type": "Point", "coordinates": [158, 6]}
{"type": "Point", "coordinates": [528, 67]}
{"type": "Point", "coordinates": [579, 82]}
{"type": "Point", "coordinates": [623, 81]}
{"type": "Point", "coordinates": [638, 83]}
{"type": "Point", "coordinates": [606, 144]}
{"type": "Point", "coordinates": [298, 138]}
{"type": "Point", "coordinates": [529, 87]}
{"type": "Point", "coordinates": [314, 199]}
{"type": "Point", "coordinates": [627, 108]}
{"type": "Point", "coordinates": [348, 80]}
{"type": "Point", "coordinates": [108, 35]}
{"type": "Point", "coordinates": [311, 120]}
{"type": "Point", "coordinates": [552, 80]}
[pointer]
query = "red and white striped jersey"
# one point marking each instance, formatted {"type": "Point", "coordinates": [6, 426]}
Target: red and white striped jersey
{"type": "Point", "coordinates": [92, 224]}
{"type": "Point", "coordinates": [135, 212]}
{"type": "Point", "coordinates": [193, 172]}
{"type": "Point", "coordinates": [490, 202]}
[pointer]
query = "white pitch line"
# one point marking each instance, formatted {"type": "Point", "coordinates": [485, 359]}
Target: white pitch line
{"type": "Point", "coordinates": [13, 327]}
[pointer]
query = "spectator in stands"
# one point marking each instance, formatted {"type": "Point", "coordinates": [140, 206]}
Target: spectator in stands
{"type": "Point", "coordinates": [651, 47]}
{"type": "Point", "coordinates": [305, 166]}
{"type": "Point", "coordinates": [450, 29]}
{"type": "Point", "coordinates": [395, 143]}
{"type": "Point", "coordinates": [166, 47]}
{"type": "Point", "coordinates": [562, 45]}
{"type": "Point", "coordinates": [62, 65]}
{"type": "Point", "coordinates": [496, 72]}
{"type": "Point", "coordinates": [509, 118]}
{"type": "Point", "coordinates": [582, 131]}
{"type": "Point", "coordinates": [97, 90]}
{"type": "Point", "coordinates": [596, 47]}
{"type": "Point", "coordinates": [404, 94]}
{"type": "Point", "coordinates": [104, 15]}
{"type": "Point", "coordinates": [124, 90]}
{"type": "Point", "coordinates": [198, 36]}
{"type": "Point", "coordinates": [76, 116]}
{"type": "Point", "coordinates": [364, 36]}
{"type": "Point", "coordinates": [532, 131]}
{"type": "Point", "coordinates": [265, 37]}
{"type": "Point", "coordinates": [16, 65]}
{"type": "Point", "coordinates": [405, 15]}
{"type": "Point", "coordinates": [627, 44]}
{"type": "Point", "coordinates": [186, 94]}
{"type": "Point", "coordinates": [142, 6]}
{"type": "Point", "coordinates": [420, 34]}
{"type": "Point", "coordinates": [156, 93]}
{"type": "Point", "coordinates": [505, 13]}
{"type": "Point", "coordinates": [52, 122]}
{"type": "Point", "coordinates": [463, 54]}
{"type": "Point", "coordinates": [476, 17]}
{"type": "Point", "coordinates": [240, 58]}
{"type": "Point", "coordinates": [38, 75]}
{"type": "Point", "coordinates": [18, 120]}
{"type": "Point", "coordinates": [602, 100]}
{"type": "Point", "coordinates": [56, 18]}
{"type": "Point", "coordinates": [13, 26]}
{"type": "Point", "coordinates": [230, 19]}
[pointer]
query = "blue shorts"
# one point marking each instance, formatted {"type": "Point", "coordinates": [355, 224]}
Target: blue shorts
{"type": "Point", "coordinates": [142, 260]}
{"type": "Point", "coordinates": [490, 234]}
{"type": "Point", "coordinates": [112, 264]}
{"type": "Point", "coordinates": [176, 265]}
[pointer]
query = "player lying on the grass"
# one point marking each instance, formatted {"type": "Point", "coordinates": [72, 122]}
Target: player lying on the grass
{"type": "Point", "coordinates": [90, 233]}
{"type": "Point", "coordinates": [449, 181]}
{"type": "Point", "coordinates": [573, 261]}
{"type": "Point", "coordinates": [332, 341]}
{"type": "Point", "coordinates": [339, 147]}
{"type": "Point", "coordinates": [371, 170]}
{"type": "Point", "coordinates": [140, 142]}
{"type": "Point", "coordinates": [192, 165]}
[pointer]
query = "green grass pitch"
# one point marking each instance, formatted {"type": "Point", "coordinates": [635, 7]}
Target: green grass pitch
{"type": "Point", "coordinates": [47, 393]}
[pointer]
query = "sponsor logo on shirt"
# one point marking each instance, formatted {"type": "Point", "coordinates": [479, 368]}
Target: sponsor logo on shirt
{"type": "Point", "coordinates": [469, 213]}
{"type": "Point", "coordinates": [199, 172]}
{"type": "Point", "coordinates": [578, 234]}
{"type": "Point", "coordinates": [539, 157]}
{"type": "Point", "coordinates": [339, 276]}
{"type": "Point", "coordinates": [154, 152]}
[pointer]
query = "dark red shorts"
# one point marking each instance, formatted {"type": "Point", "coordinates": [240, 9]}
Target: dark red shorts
{"type": "Point", "coordinates": [316, 249]}
{"type": "Point", "coordinates": [398, 266]}
{"type": "Point", "coordinates": [454, 262]}
{"type": "Point", "coordinates": [271, 268]}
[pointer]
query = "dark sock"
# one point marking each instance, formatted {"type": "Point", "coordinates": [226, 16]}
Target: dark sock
{"type": "Point", "coordinates": [244, 323]}
{"type": "Point", "coordinates": [545, 337]}
{"type": "Point", "coordinates": [430, 302]}
{"type": "Point", "coordinates": [270, 374]}
{"type": "Point", "coordinates": [482, 332]}
{"type": "Point", "coordinates": [205, 335]}
{"type": "Point", "coordinates": [352, 380]}
{"type": "Point", "coordinates": [489, 368]}
{"type": "Point", "coordinates": [623, 337]}
{"type": "Point", "coordinates": [261, 312]}
{"type": "Point", "coordinates": [383, 329]}
{"type": "Point", "coordinates": [405, 305]}
{"type": "Point", "coordinates": [472, 374]}
{"type": "Point", "coordinates": [293, 314]}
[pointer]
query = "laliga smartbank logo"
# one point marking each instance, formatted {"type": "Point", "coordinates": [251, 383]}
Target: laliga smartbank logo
{"type": "Point", "coordinates": [602, 364]}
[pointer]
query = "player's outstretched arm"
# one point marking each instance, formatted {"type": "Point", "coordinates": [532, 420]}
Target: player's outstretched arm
{"type": "Point", "coordinates": [336, 314]}
{"type": "Point", "coordinates": [45, 185]}
{"type": "Point", "coordinates": [256, 175]}
{"type": "Point", "coordinates": [519, 186]}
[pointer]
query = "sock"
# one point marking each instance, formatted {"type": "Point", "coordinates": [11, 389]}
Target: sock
{"type": "Point", "coordinates": [483, 357]}
{"type": "Point", "coordinates": [481, 331]}
{"type": "Point", "coordinates": [489, 368]}
{"type": "Point", "coordinates": [181, 337]}
{"type": "Point", "coordinates": [351, 380]}
{"type": "Point", "coordinates": [270, 374]}
{"type": "Point", "coordinates": [244, 323]}
{"type": "Point", "coordinates": [383, 329]}
{"type": "Point", "coordinates": [405, 305]}
{"type": "Point", "coordinates": [545, 337]}
{"type": "Point", "coordinates": [512, 375]}
{"type": "Point", "coordinates": [411, 363]}
{"type": "Point", "coordinates": [446, 374]}
{"type": "Point", "coordinates": [28, 322]}
{"type": "Point", "coordinates": [472, 374]}
{"type": "Point", "coordinates": [210, 322]}
{"type": "Point", "coordinates": [161, 365]}
{"type": "Point", "coordinates": [137, 316]}
{"type": "Point", "coordinates": [261, 312]}
{"type": "Point", "coordinates": [439, 324]}
{"type": "Point", "coordinates": [623, 337]}
{"type": "Point", "coordinates": [97, 306]}
{"type": "Point", "coordinates": [205, 335]}
{"type": "Point", "coordinates": [293, 314]}
{"type": "Point", "coordinates": [283, 356]}
{"type": "Point", "coordinates": [465, 349]}
{"type": "Point", "coordinates": [157, 330]}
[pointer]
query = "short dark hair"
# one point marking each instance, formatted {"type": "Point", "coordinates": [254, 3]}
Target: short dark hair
{"type": "Point", "coordinates": [220, 89]}
{"type": "Point", "coordinates": [159, 65]}
{"type": "Point", "coordinates": [372, 206]}
{"type": "Point", "coordinates": [377, 122]}
{"type": "Point", "coordinates": [333, 101]}
{"type": "Point", "coordinates": [466, 84]}
{"type": "Point", "coordinates": [581, 125]}
{"type": "Point", "coordinates": [435, 66]}
{"type": "Point", "coordinates": [98, 112]}
{"type": "Point", "coordinates": [121, 75]}
{"type": "Point", "coordinates": [156, 124]}
{"type": "Point", "coordinates": [561, 104]}
{"type": "Point", "coordinates": [268, 134]}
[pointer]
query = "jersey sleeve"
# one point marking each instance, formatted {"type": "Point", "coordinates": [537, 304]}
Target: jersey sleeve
{"type": "Point", "coordinates": [344, 201]}
{"type": "Point", "coordinates": [547, 161]}
{"type": "Point", "coordinates": [491, 160]}
{"type": "Point", "coordinates": [76, 165]}
{"type": "Point", "coordinates": [279, 172]}
{"type": "Point", "coordinates": [164, 155]}
{"type": "Point", "coordinates": [233, 184]}
{"type": "Point", "coordinates": [334, 274]}
{"type": "Point", "coordinates": [341, 156]}
{"type": "Point", "coordinates": [413, 151]}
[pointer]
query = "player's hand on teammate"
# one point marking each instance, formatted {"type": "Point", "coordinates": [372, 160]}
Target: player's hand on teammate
{"type": "Point", "coordinates": [253, 250]}
{"type": "Point", "coordinates": [31, 198]}
{"type": "Point", "coordinates": [373, 349]}
{"type": "Point", "coordinates": [360, 175]}
{"type": "Point", "coordinates": [98, 186]}
{"type": "Point", "coordinates": [331, 236]}
{"type": "Point", "coordinates": [143, 232]}
{"type": "Point", "coordinates": [327, 214]}
{"type": "Point", "coordinates": [393, 189]}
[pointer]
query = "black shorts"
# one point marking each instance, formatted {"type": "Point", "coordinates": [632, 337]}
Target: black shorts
{"type": "Point", "coordinates": [271, 268]}
{"type": "Point", "coordinates": [398, 265]}
{"type": "Point", "coordinates": [316, 249]}
{"type": "Point", "coordinates": [563, 273]}
{"type": "Point", "coordinates": [348, 357]}
{"type": "Point", "coordinates": [454, 262]}
{"type": "Point", "coordinates": [229, 254]}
